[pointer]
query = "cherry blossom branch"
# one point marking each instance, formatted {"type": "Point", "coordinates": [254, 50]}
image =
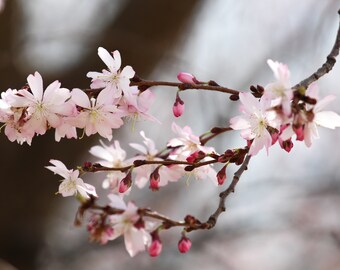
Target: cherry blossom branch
{"type": "Point", "coordinates": [210, 86]}
{"type": "Point", "coordinates": [146, 84]}
{"type": "Point", "coordinates": [326, 67]}
{"type": "Point", "coordinates": [190, 223]}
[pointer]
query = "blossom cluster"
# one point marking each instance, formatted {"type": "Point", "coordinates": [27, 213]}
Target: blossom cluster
{"type": "Point", "coordinates": [138, 234]}
{"type": "Point", "coordinates": [33, 110]}
{"type": "Point", "coordinates": [282, 113]}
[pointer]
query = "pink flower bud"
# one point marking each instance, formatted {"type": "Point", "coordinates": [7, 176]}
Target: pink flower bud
{"type": "Point", "coordinates": [286, 145]}
{"type": "Point", "coordinates": [275, 137]}
{"type": "Point", "coordinates": [154, 180]}
{"type": "Point", "coordinates": [184, 244]}
{"type": "Point", "coordinates": [221, 175]}
{"type": "Point", "coordinates": [196, 156]}
{"type": "Point", "coordinates": [299, 131]}
{"type": "Point", "coordinates": [187, 78]}
{"type": "Point", "coordinates": [156, 245]}
{"type": "Point", "coordinates": [178, 107]}
{"type": "Point", "coordinates": [125, 183]}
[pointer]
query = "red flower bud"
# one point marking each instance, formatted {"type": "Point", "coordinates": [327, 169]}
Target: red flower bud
{"type": "Point", "coordinates": [184, 244]}
{"type": "Point", "coordinates": [178, 107]}
{"type": "Point", "coordinates": [286, 145]}
{"type": "Point", "coordinates": [154, 180]}
{"type": "Point", "coordinates": [221, 175]}
{"type": "Point", "coordinates": [125, 183]}
{"type": "Point", "coordinates": [196, 156]}
{"type": "Point", "coordinates": [155, 247]}
{"type": "Point", "coordinates": [300, 136]}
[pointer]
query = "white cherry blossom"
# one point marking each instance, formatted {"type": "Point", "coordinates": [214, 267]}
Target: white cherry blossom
{"type": "Point", "coordinates": [113, 78]}
{"type": "Point", "coordinates": [136, 239]}
{"type": "Point", "coordinates": [254, 122]}
{"type": "Point", "coordinates": [97, 114]}
{"type": "Point", "coordinates": [71, 184]}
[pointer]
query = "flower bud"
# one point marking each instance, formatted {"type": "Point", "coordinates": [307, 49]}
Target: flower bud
{"type": "Point", "coordinates": [286, 145]}
{"type": "Point", "coordinates": [187, 78]}
{"type": "Point", "coordinates": [196, 156]}
{"type": "Point", "coordinates": [178, 107]}
{"type": "Point", "coordinates": [184, 244]}
{"type": "Point", "coordinates": [125, 183]}
{"type": "Point", "coordinates": [154, 180]}
{"type": "Point", "coordinates": [221, 175]}
{"type": "Point", "coordinates": [155, 247]}
{"type": "Point", "coordinates": [299, 131]}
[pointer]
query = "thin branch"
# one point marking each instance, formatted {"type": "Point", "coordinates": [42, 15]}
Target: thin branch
{"type": "Point", "coordinates": [223, 195]}
{"type": "Point", "coordinates": [326, 67]}
{"type": "Point", "coordinates": [186, 86]}
{"type": "Point", "coordinates": [145, 84]}
{"type": "Point", "coordinates": [214, 132]}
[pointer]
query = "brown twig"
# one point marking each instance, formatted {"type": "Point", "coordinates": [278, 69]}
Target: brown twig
{"type": "Point", "coordinates": [326, 67]}
{"type": "Point", "coordinates": [145, 84]}
{"type": "Point", "coordinates": [223, 195]}
{"type": "Point", "coordinates": [213, 133]}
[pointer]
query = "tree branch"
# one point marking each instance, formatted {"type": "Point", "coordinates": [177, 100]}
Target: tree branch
{"type": "Point", "coordinates": [326, 67]}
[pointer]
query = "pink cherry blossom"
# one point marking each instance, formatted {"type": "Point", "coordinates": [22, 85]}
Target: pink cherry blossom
{"type": "Point", "coordinates": [136, 239]}
{"type": "Point", "coordinates": [111, 156]}
{"type": "Point", "coordinates": [280, 92]}
{"type": "Point", "coordinates": [44, 108]}
{"type": "Point", "coordinates": [97, 114]}
{"type": "Point", "coordinates": [186, 144]}
{"type": "Point", "coordinates": [254, 122]}
{"type": "Point", "coordinates": [308, 128]}
{"type": "Point", "coordinates": [136, 105]}
{"type": "Point", "coordinates": [71, 184]}
{"type": "Point", "coordinates": [149, 152]}
{"type": "Point", "coordinates": [113, 78]}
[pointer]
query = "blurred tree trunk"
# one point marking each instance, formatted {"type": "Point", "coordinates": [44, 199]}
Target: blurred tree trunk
{"type": "Point", "coordinates": [144, 31]}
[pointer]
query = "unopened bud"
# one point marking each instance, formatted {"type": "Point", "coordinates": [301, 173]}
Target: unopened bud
{"type": "Point", "coordinates": [155, 247]}
{"type": "Point", "coordinates": [299, 131]}
{"type": "Point", "coordinates": [185, 77]}
{"type": "Point", "coordinates": [184, 244]}
{"type": "Point", "coordinates": [125, 183]}
{"type": "Point", "coordinates": [287, 145]}
{"type": "Point", "coordinates": [221, 175]}
{"type": "Point", "coordinates": [178, 107]}
{"type": "Point", "coordinates": [196, 156]}
{"type": "Point", "coordinates": [154, 180]}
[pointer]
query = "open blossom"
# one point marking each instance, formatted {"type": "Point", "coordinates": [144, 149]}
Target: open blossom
{"type": "Point", "coordinates": [143, 173]}
{"type": "Point", "coordinates": [136, 239]}
{"type": "Point", "coordinates": [44, 108]}
{"type": "Point", "coordinates": [136, 105]}
{"type": "Point", "coordinates": [97, 115]}
{"type": "Point", "coordinates": [254, 122]}
{"type": "Point", "coordinates": [111, 156]}
{"type": "Point", "coordinates": [280, 92]}
{"type": "Point", "coordinates": [186, 144]}
{"type": "Point", "coordinates": [313, 117]}
{"type": "Point", "coordinates": [113, 78]}
{"type": "Point", "coordinates": [71, 184]}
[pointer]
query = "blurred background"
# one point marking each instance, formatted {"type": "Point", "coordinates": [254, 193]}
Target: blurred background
{"type": "Point", "coordinates": [285, 212]}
